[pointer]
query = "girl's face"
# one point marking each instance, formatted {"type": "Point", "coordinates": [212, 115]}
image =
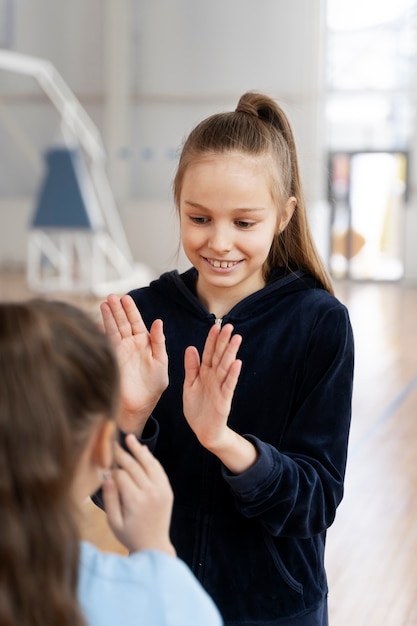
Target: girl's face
{"type": "Point", "coordinates": [228, 221]}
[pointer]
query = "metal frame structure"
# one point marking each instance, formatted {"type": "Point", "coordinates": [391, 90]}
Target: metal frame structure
{"type": "Point", "coordinates": [77, 261]}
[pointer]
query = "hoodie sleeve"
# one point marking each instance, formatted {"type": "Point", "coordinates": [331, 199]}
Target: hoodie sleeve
{"type": "Point", "coordinates": [149, 436]}
{"type": "Point", "coordinates": [294, 490]}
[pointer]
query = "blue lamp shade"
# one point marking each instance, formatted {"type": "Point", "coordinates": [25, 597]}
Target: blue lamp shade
{"type": "Point", "coordinates": [66, 198]}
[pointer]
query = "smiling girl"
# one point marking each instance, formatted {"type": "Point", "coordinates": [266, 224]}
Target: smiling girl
{"type": "Point", "coordinates": [255, 448]}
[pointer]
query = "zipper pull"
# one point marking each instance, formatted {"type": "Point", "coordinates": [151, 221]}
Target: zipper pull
{"type": "Point", "coordinates": [218, 320]}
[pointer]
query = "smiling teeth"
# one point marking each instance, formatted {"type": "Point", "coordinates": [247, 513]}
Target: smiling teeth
{"type": "Point", "coordinates": [223, 264]}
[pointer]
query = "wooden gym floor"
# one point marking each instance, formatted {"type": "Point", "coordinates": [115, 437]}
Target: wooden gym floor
{"type": "Point", "coordinates": [372, 546]}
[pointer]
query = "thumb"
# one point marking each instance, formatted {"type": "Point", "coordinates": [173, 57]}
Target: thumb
{"type": "Point", "coordinates": [191, 365]}
{"type": "Point", "coordinates": [158, 340]}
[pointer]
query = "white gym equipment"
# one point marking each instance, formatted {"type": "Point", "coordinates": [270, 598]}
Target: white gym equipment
{"type": "Point", "coordinates": [76, 241]}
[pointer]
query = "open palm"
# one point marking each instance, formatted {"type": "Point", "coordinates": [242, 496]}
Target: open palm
{"type": "Point", "coordinates": [142, 358]}
{"type": "Point", "coordinates": [209, 385]}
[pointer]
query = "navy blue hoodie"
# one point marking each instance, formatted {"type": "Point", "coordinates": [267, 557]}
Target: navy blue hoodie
{"type": "Point", "coordinates": [256, 540]}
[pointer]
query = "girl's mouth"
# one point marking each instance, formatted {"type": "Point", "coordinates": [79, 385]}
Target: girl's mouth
{"type": "Point", "coordinates": [218, 264]}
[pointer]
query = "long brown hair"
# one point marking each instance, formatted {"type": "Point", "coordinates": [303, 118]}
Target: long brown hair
{"type": "Point", "coordinates": [58, 376]}
{"type": "Point", "coordinates": [259, 127]}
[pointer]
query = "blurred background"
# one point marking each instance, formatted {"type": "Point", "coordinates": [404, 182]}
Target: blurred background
{"type": "Point", "coordinates": [115, 85]}
{"type": "Point", "coordinates": [96, 97]}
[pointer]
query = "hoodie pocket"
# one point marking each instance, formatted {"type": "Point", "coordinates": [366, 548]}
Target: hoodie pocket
{"type": "Point", "coordinates": [243, 572]}
{"type": "Point", "coordinates": [283, 571]}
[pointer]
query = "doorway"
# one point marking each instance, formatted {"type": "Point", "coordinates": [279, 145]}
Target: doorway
{"type": "Point", "coordinates": [367, 195]}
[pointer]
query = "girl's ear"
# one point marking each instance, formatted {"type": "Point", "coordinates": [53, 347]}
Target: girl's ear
{"type": "Point", "coordinates": [287, 213]}
{"type": "Point", "coordinates": [102, 445]}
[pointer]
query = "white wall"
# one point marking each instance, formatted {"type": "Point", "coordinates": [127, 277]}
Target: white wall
{"type": "Point", "coordinates": [184, 60]}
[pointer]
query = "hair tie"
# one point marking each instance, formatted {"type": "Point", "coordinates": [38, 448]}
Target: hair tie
{"type": "Point", "coordinates": [247, 107]}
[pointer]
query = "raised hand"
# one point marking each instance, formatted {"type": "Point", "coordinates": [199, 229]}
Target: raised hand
{"type": "Point", "coordinates": [207, 398]}
{"type": "Point", "coordinates": [209, 385]}
{"type": "Point", "coordinates": [138, 499]}
{"type": "Point", "coordinates": [142, 358]}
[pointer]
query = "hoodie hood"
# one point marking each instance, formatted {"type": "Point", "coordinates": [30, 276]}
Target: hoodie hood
{"type": "Point", "coordinates": [181, 289]}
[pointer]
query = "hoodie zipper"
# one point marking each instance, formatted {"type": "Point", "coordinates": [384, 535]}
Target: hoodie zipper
{"type": "Point", "coordinates": [245, 301]}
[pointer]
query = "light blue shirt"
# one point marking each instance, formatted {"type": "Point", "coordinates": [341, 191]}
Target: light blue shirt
{"type": "Point", "coordinates": [147, 588]}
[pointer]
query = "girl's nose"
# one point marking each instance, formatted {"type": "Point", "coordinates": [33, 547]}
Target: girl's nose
{"type": "Point", "coordinates": [220, 240]}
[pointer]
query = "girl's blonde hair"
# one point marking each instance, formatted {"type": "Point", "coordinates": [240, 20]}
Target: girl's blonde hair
{"type": "Point", "coordinates": [259, 127]}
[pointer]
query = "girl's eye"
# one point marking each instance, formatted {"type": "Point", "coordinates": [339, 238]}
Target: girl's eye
{"type": "Point", "coordinates": [243, 224]}
{"type": "Point", "coordinates": [198, 219]}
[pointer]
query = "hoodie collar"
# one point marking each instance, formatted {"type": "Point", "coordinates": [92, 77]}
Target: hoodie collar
{"type": "Point", "coordinates": [182, 289]}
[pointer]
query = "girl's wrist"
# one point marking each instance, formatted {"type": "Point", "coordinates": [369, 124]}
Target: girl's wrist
{"type": "Point", "coordinates": [234, 451]}
{"type": "Point", "coordinates": [133, 422]}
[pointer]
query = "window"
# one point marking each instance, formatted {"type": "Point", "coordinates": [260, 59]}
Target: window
{"type": "Point", "coordinates": [371, 77]}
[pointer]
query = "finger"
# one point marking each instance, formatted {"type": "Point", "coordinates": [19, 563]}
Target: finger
{"type": "Point", "coordinates": [225, 352]}
{"type": "Point", "coordinates": [129, 487]}
{"type": "Point", "coordinates": [120, 323]}
{"type": "Point", "coordinates": [210, 345]}
{"type": "Point", "coordinates": [222, 343]}
{"type": "Point", "coordinates": [158, 341]}
{"type": "Point", "coordinates": [228, 359]}
{"type": "Point", "coordinates": [133, 316]}
{"type": "Point", "coordinates": [143, 455]}
{"type": "Point", "coordinates": [130, 465]}
{"type": "Point", "coordinates": [230, 351]}
{"type": "Point", "coordinates": [191, 365]}
{"type": "Point", "coordinates": [232, 377]}
{"type": "Point", "coordinates": [110, 327]}
{"type": "Point", "coordinates": [112, 505]}
{"type": "Point", "coordinates": [147, 465]}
